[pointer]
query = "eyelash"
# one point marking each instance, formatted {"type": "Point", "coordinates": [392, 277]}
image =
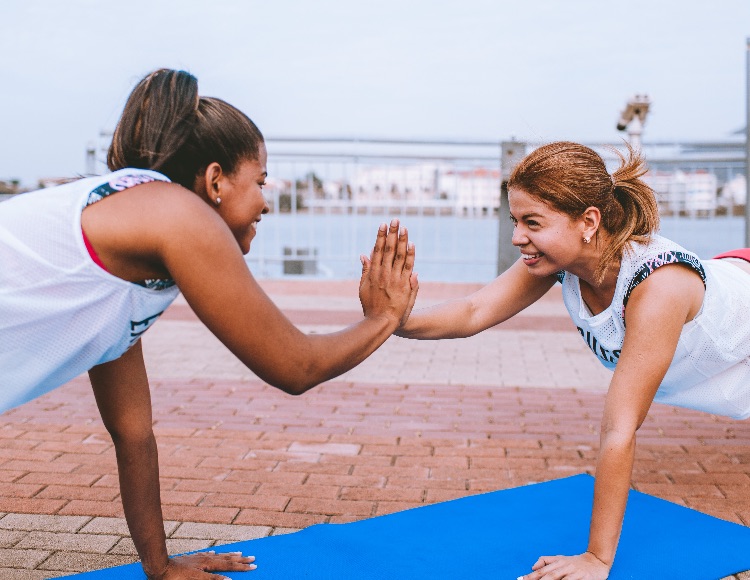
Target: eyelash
{"type": "Point", "coordinates": [530, 223]}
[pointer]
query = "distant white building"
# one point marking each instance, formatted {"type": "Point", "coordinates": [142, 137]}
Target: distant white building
{"type": "Point", "coordinates": [734, 191]}
{"type": "Point", "coordinates": [679, 192]}
{"type": "Point", "coordinates": [474, 190]}
{"type": "Point", "coordinates": [426, 185]}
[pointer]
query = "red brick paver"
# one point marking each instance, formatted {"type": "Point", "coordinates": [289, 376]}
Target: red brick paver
{"type": "Point", "coordinates": [240, 459]}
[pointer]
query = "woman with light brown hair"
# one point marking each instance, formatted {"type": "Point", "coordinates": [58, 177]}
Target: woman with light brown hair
{"type": "Point", "coordinates": [672, 327]}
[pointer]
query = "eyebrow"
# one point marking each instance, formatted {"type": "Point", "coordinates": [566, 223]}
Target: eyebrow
{"type": "Point", "coordinates": [529, 215]}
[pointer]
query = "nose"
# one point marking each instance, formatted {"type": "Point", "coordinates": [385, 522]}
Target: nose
{"type": "Point", "coordinates": [266, 209]}
{"type": "Point", "coordinates": [519, 236]}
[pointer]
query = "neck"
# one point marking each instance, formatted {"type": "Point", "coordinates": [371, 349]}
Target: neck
{"type": "Point", "coordinates": [586, 268]}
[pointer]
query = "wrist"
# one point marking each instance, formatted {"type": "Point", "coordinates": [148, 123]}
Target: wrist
{"type": "Point", "coordinates": [391, 322]}
{"type": "Point", "coordinates": [156, 570]}
{"type": "Point", "coordinates": [602, 560]}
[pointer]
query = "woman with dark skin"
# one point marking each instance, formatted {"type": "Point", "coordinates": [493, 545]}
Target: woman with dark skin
{"type": "Point", "coordinates": [179, 211]}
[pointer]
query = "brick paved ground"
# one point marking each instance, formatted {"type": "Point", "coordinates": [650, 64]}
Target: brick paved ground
{"type": "Point", "coordinates": [419, 422]}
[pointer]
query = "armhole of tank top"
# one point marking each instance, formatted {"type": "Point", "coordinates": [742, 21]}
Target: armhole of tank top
{"type": "Point", "coordinates": [663, 259]}
{"type": "Point", "coordinates": [92, 252]}
{"type": "Point", "coordinates": [121, 183]}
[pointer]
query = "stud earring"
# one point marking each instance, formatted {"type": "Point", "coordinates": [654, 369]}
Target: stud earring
{"type": "Point", "coordinates": [586, 239]}
{"type": "Point", "coordinates": [217, 201]}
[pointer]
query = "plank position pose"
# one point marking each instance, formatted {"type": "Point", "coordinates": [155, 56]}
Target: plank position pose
{"type": "Point", "coordinates": [87, 267]}
{"type": "Point", "coordinates": [672, 327]}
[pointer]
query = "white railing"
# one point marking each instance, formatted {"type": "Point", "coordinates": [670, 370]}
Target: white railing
{"type": "Point", "coordinates": [328, 196]}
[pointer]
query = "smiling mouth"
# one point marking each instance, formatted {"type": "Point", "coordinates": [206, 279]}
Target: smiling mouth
{"type": "Point", "coordinates": [530, 256]}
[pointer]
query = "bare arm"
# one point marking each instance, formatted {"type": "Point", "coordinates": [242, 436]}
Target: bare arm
{"type": "Point", "coordinates": [234, 307]}
{"type": "Point", "coordinates": [658, 309]}
{"type": "Point", "coordinates": [655, 316]}
{"type": "Point", "coordinates": [185, 238]}
{"type": "Point", "coordinates": [498, 301]}
{"type": "Point", "coordinates": [122, 395]}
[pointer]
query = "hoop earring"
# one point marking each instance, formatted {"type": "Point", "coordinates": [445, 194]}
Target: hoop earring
{"type": "Point", "coordinates": [586, 239]}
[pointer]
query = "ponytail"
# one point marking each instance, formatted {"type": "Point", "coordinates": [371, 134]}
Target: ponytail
{"type": "Point", "coordinates": [638, 217]}
{"type": "Point", "coordinates": [167, 127]}
{"type": "Point", "coordinates": [570, 178]}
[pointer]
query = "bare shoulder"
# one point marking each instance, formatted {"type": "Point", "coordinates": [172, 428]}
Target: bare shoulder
{"type": "Point", "coordinates": [135, 230]}
{"type": "Point", "coordinates": [164, 200]}
{"type": "Point", "coordinates": [673, 279]}
{"type": "Point", "coordinates": [150, 210]}
{"type": "Point", "coordinates": [668, 287]}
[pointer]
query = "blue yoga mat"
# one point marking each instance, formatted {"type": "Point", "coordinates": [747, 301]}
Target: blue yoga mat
{"type": "Point", "coordinates": [497, 536]}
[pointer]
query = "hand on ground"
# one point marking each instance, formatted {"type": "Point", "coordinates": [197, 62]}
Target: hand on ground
{"type": "Point", "coordinates": [199, 566]}
{"type": "Point", "coordinates": [389, 286]}
{"type": "Point", "coordinates": [584, 566]}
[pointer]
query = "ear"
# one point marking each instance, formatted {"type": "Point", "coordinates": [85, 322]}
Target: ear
{"type": "Point", "coordinates": [209, 183]}
{"type": "Point", "coordinates": [590, 221]}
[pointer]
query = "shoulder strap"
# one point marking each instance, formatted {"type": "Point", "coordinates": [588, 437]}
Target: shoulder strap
{"type": "Point", "coordinates": [121, 182]}
{"type": "Point", "coordinates": [662, 259]}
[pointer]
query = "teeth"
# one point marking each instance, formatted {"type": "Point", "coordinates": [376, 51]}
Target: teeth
{"type": "Point", "coordinates": [530, 256]}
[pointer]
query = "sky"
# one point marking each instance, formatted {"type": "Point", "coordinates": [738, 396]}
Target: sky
{"type": "Point", "coordinates": [535, 70]}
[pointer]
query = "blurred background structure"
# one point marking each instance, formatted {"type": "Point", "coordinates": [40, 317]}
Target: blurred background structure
{"type": "Point", "coordinates": [448, 94]}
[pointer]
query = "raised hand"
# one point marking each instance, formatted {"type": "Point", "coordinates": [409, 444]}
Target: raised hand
{"type": "Point", "coordinates": [388, 286]}
{"type": "Point", "coordinates": [584, 566]}
{"type": "Point", "coordinates": [198, 566]}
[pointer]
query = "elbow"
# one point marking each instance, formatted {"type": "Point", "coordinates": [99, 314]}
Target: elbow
{"type": "Point", "coordinates": [295, 388]}
{"type": "Point", "coordinates": [617, 436]}
{"type": "Point", "coordinates": [297, 381]}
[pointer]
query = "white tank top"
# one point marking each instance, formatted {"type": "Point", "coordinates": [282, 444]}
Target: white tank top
{"type": "Point", "coordinates": [710, 370]}
{"type": "Point", "coordinates": [60, 313]}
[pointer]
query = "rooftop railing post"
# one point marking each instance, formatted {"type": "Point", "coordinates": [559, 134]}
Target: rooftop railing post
{"type": "Point", "coordinates": [511, 153]}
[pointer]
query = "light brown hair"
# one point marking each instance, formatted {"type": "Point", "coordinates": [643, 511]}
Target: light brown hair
{"type": "Point", "coordinates": [570, 178]}
{"type": "Point", "coordinates": [167, 127]}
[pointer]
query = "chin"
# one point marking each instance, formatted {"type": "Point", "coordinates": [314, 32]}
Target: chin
{"type": "Point", "coordinates": [245, 243]}
{"type": "Point", "coordinates": [541, 272]}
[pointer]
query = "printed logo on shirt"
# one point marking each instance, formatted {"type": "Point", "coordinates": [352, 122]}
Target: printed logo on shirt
{"type": "Point", "coordinates": [610, 356]}
{"type": "Point", "coordinates": [670, 257]}
{"type": "Point", "coordinates": [138, 327]}
{"type": "Point", "coordinates": [119, 183]}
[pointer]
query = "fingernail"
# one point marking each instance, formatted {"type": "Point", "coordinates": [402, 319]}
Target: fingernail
{"type": "Point", "coordinates": [403, 231]}
{"type": "Point", "coordinates": [253, 566]}
{"type": "Point", "coordinates": [411, 245]}
{"type": "Point", "coordinates": [236, 553]}
{"type": "Point", "coordinates": [383, 227]}
{"type": "Point", "coordinates": [394, 222]}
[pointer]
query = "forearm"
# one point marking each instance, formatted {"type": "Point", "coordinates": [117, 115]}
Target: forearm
{"type": "Point", "coordinates": [452, 319]}
{"type": "Point", "coordinates": [137, 463]}
{"type": "Point", "coordinates": [613, 471]}
{"type": "Point", "coordinates": [316, 358]}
